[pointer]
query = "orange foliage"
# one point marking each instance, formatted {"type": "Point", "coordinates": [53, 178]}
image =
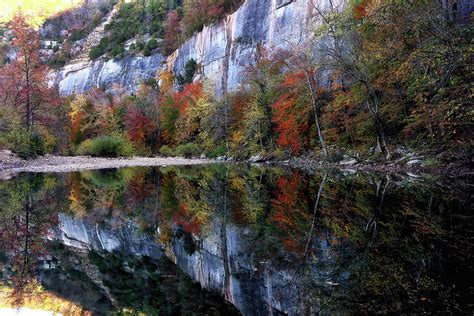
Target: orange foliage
{"type": "Point", "coordinates": [291, 120]}
{"type": "Point", "coordinates": [179, 102]}
{"type": "Point", "coordinates": [187, 97]}
{"type": "Point", "coordinates": [287, 212]}
{"type": "Point", "coordinates": [190, 224]}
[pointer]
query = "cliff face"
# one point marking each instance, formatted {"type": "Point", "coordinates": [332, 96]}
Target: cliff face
{"type": "Point", "coordinates": [128, 72]}
{"type": "Point", "coordinates": [222, 49]}
{"type": "Point", "coordinates": [225, 48]}
{"type": "Point", "coordinates": [223, 261]}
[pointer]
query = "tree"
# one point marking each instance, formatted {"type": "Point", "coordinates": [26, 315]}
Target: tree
{"type": "Point", "coordinates": [344, 51]}
{"type": "Point", "coordinates": [23, 83]}
{"type": "Point", "coordinates": [263, 76]}
{"type": "Point", "coordinates": [139, 127]}
{"type": "Point", "coordinates": [172, 32]}
{"type": "Point", "coordinates": [300, 57]}
{"type": "Point", "coordinates": [290, 114]}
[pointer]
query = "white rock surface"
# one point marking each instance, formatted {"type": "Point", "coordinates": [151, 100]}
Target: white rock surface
{"type": "Point", "coordinates": [222, 49]}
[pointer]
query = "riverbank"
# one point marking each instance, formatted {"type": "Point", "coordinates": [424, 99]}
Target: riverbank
{"type": "Point", "coordinates": [11, 165]}
{"type": "Point", "coordinates": [408, 163]}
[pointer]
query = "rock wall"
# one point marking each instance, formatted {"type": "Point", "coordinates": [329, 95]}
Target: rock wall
{"type": "Point", "coordinates": [128, 73]}
{"type": "Point", "coordinates": [222, 49]}
{"type": "Point", "coordinates": [223, 261]}
{"type": "Point", "coordinates": [225, 48]}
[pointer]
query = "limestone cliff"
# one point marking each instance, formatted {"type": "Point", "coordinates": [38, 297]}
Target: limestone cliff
{"type": "Point", "coordinates": [222, 49]}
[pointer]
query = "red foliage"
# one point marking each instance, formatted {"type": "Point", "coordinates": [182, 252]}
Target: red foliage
{"type": "Point", "coordinates": [172, 31]}
{"type": "Point", "coordinates": [287, 212]}
{"type": "Point", "coordinates": [187, 97]}
{"type": "Point", "coordinates": [239, 107]}
{"type": "Point", "coordinates": [139, 126]}
{"type": "Point", "coordinates": [138, 189]}
{"type": "Point", "coordinates": [360, 10]}
{"type": "Point", "coordinates": [291, 120]}
{"type": "Point", "coordinates": [23, 82]}
{"type": "Point", "coordinates": [180, 101]}
{"type": "Point", "coordinates": [189, 223]}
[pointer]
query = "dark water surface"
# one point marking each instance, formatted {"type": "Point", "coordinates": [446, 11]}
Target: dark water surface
{"type": "Point", "coordinates": [230, 239]}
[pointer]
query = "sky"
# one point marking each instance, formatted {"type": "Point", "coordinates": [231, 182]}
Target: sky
{"type": "Point", "coordinates": [38, 10]}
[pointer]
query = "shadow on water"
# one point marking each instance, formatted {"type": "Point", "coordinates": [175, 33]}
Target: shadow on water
{"type": "Point", "coordinates": [224, 239]}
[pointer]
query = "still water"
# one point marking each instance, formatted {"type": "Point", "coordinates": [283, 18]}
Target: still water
{"type": "Point", "coordinates": [235, 239]}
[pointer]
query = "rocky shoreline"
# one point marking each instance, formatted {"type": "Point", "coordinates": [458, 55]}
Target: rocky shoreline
{"type": "Point", "coordinates": [409, 164]}
{"type": "Point", "coordinates": [10, 164]}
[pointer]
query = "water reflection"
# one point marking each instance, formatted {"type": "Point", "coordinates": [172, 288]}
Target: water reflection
{"type": "Point", "coordinates": [266, 239]}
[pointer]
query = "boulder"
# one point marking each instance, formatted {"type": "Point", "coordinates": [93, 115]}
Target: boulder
{"type": "Point", "coordinates": [256, 158]}
{"type": "Point", "coordinates": [414, 162]}
{"type": "Point", "coordinates": [348, 162]}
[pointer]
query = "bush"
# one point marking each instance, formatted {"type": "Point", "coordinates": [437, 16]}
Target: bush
{"type": "Point", "coordinates": [152, 44]}
{"type": "Point", "coordinates": [217, 152]}
{"type": "Point", "coordinates": [146, 51]}
{"type": "Point", "coordinates": [189, 70]}
{"type": "Point", "coordinates": [95, 53]}
{"type": "Point", "coordinates": [106, 146]}
{"type": "Point", "coordinates": [167, 151]}
{"type": "Point", "coordinates": [188, 150]}
{"type": "Point", "coordinates": [84, 148]}
{"type": "Point", "coordinates": [24, 143]}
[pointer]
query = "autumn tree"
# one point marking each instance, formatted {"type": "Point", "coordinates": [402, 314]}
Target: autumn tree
{"type": "Point", "coordinates": [291, 115]}
{"type": "Point", "coordinates": [300, 58]}
{"type": "Point", "coordinates": [23, 84]}
{"type": "Point", "coordinates": [262, 76]}
{"type": "Point", "coordinates": [344, 51]}
{"type": "Point", "coordinates": [172, 32]}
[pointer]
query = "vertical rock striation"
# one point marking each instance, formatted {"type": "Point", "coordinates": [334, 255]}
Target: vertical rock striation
{"type": "Point", "coordinates": [222, 49]}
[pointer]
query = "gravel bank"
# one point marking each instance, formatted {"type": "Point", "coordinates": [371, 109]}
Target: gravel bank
{"type": "Point", "coordinates": [11, 165]}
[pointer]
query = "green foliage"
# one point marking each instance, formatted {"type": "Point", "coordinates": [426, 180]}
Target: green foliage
{"type": "Point", "coordinates": [167, 151]}
{"type": "Point", "coordinates": [217, 151]}
{"type": "Point", "coordinates": [77, 35]}
{"type": "Point", "coordinates": [106, 146]}
{"type": "Point", "coordinates": [27, 144]}
{"type": "Point", "coordinates": [95, 53]}
{"type": "Point", "coordinates": [189, 70]}
{"type": "Point", "coordinates": [146, 51]}
{"type": "Point", "coordinates": [188, 150]}
{"type": "Point", "coordinates": [152, 44]}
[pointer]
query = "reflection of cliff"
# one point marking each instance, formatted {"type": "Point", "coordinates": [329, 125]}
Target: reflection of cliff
{"type": "Point", "coordinates": [224, 262]}
{"type": "Point", "coordinates": [79, 233]}
{"type": "Point", "coordinates": [105, 270]}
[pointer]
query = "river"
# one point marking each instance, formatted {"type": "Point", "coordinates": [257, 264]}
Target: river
{"type": "Point", "coordinates": [235, 239]}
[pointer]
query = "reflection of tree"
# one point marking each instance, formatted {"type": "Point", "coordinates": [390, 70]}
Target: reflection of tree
{"type": "Point", "coordinates": [120, 195]}
{"type": "Point", "coordinates": [343, 239]}
{"type": "Point", "coordinates": [27, 211]}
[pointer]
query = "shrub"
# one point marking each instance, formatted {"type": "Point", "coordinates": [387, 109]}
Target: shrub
{"type": "Point", "coordinates": [217, 152]}
{"type": "Point", "coordinates": [152, 44]}
{"type": "Point", "coordinates": [188, 150]}
{"type": "Point", "coordinates": [24, 143]}
{"type": "Point", "coordinates": [84, 148]}
{"type": "Point", "coordinates": [146, 51]}
{"type": "Point", "coordinates": [95, 53]}
{"type": "Point", "coordinates": [117, 51]}
{"type": "Point", "coordinates": [189, 70]}
{"type": "Point", "coordinates": [167, 151]}
{"type": "Point", "coordinates": [106, 146]}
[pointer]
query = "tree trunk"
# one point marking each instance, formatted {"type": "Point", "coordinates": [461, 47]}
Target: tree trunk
{"type": "Point", "coordinates": [373, 109]}
{"type": "Point", "coordinates": [314, 102]}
